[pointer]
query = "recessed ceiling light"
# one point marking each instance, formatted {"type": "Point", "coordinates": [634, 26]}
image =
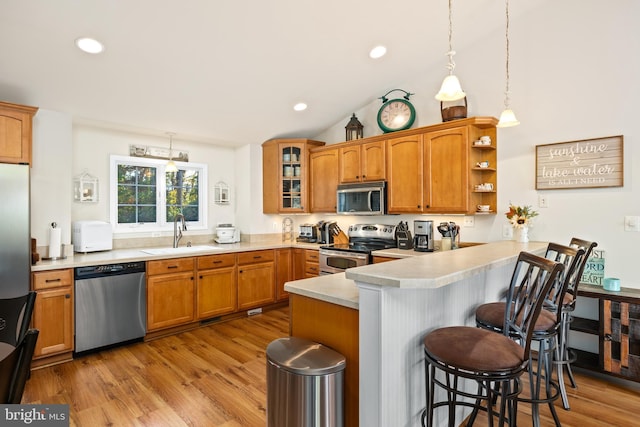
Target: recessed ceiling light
{"type": "Point", "coordinates": [377, 52]}
{"type": "Point", "coordinates": [89, 45]}
{"type": "Point", "coordinates": [300, 106]}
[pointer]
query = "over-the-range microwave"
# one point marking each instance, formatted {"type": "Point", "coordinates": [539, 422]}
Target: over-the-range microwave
{"type": "Point", "coordinates": [362, 198]}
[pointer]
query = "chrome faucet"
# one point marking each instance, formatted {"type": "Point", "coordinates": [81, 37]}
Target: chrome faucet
{"type": "Point", "coordinates": [177, 231]}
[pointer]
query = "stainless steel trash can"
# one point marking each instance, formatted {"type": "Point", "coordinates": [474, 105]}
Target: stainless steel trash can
{"type": "Point", "coordinates": [305, 384]}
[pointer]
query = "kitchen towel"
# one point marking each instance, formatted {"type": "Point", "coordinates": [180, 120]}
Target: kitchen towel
{"type": "Point", "coordinates": [55, 240]}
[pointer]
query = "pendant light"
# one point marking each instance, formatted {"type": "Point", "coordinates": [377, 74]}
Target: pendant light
{"type": "Point", "coordinates": [508, 117]}
{"type": "Point", "coordinates": [171, 166]}
{"type": "Point", "coordinates": [450, 89]}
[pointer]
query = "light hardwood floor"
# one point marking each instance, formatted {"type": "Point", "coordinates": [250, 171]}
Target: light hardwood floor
{"type": "Point", "coordinates": [216, 376]}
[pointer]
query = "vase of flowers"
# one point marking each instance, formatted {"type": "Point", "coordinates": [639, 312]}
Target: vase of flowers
{"type": "Point", "coordinates": [520, 218]}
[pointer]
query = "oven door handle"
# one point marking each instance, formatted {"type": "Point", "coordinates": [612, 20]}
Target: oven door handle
{"type": "Point", "coordinates": [370, 200]}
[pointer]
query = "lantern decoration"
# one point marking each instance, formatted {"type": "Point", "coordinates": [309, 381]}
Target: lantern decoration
{"type": "Point", "coordinates": [85, 188]}
{"type": "Point", "coordinates": [354, 128]}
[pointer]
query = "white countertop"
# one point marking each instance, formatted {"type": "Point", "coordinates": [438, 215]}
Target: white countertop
{"type": "Point", "coordinates": [138, 254]}
{"type": "Point", "coordinates": [333, 288]}
{"type": "Point", "coordinates": [416, 270]}
{"type": "Point", "coordinates": [442, 268]}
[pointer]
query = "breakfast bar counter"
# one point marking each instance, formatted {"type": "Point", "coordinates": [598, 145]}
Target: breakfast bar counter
{"type": "Point", "coordinates": [398, 303]}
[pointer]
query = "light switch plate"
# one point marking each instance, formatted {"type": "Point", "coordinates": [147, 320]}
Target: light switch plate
{"type": "Point", "coordinates": [632, 223]}
{"type": "Point", "coordinates": [507, 232]}
{"type": "Point", "coordinates": [543, 201]}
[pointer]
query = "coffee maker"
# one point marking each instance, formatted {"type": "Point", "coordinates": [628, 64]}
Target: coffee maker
{"type": "Point", "coordinates": [423, 236]}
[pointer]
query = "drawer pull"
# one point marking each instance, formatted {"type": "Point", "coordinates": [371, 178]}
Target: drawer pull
{"type": "Point", "coordinates": [172, 266]}
{"type": "Point", "coordinates": [217, 262]}
{"type": "Point", "coordinates": [257, 257]}
{"type": "Point", "coordinates": [608, 337]}
{"type": "Point", "coordinates": [67, 296]}
{"type": "Point", "coordinates": [53, 280]}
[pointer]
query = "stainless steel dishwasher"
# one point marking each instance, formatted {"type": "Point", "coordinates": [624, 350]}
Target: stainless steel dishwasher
{"type": "Point", "coordinates": [110, 305]}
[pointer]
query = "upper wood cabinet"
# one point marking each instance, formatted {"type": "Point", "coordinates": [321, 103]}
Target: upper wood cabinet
{"type": "Point", "coordinates": [436, 171]}
{"type": "Point", "coordinates": [362, 162]}
{"type": "Point", "coordinates": [285, 175]}
{"type": "Point", "coordinates": [324, 179]}
{"type": "Point", "coordinates": [446, 171]}
{"type": "Point", "coordinates": [15, 132]}
{"type": "Point", "coordinates": [405, 174]}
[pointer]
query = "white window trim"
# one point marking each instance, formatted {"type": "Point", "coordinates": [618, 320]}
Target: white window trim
{"type": "Point", "coordinates": [160, 165]}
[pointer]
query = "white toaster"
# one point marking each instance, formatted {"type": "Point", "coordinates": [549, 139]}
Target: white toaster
{"type": "Point", "coordinates": [92, 236]}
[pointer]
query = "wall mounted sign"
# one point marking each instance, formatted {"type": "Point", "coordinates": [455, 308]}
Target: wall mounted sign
{"type": "Point", "coordinates": [589, 163]}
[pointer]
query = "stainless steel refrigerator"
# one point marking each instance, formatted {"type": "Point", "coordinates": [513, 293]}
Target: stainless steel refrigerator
{"type": "Point", "coordinates": [15, 233]}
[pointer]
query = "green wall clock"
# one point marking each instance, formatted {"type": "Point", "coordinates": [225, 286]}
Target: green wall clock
{"type": "Point", "coordinates": [396, 114]}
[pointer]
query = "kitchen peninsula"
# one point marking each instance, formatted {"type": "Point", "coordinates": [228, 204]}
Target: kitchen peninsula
{"type": "Point", "coordinates": [396, 304]}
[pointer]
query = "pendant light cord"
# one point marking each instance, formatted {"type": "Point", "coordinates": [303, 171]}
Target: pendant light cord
{"type": "Point", "coordinates": [506, 92]}
{"type": "Point", "coordinates": [451, 65]}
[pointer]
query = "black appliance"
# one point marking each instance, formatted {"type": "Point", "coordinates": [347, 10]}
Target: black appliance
{"type": "Point", "coordinates": [326, 231]}
{"type": "Point", "coordinates": [403, 236]}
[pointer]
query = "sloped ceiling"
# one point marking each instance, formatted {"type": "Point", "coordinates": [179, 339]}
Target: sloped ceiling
{"type": "Point", "coordinates": [226, 72]}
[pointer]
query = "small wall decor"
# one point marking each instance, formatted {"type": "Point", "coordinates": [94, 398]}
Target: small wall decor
{"type": "Point", "coordinates": [85, 188]}
{"type": "Point", "coordinates": [221, 193]}
{"type": "Point", "coordinates": [588, 163]}
{"type": "Point", "coordinates": [158, 153]}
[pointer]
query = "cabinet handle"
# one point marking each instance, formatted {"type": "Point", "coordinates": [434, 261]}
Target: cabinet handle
{"type": "Point", "coordinates": [240, 271]}
{"type": "Point", "coordinates": [217, 262]}
{"type": "Point", "coordinates": [172, 266]}
{"type": "Point", "coordinates": [67, 296]}
{"type": "Point", "coordinates": [418, 206]}
{"type": "Point", "coordinates": [52, 280]}
{"type": "Point", "coordinates": [257, 257]}
{"type": "Point", "coordinates": [200, 277]}
{"type": "Point", "coordinates": [608, 337]}
{"type": "Point", "coordinates": [364, 176]}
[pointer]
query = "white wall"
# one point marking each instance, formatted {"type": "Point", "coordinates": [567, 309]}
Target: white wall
{"type": "Point", "coordinates": [51, 175]}
{"type": "Point", "coordinates": [574, 75]}
{"type": "Point", "coordinates": [92, 147]}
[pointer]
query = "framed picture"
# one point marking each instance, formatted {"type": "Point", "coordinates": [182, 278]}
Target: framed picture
{"type": "Point", "coordinates": [588, 163]}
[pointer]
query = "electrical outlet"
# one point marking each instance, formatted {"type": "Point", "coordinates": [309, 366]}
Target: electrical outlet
{"type": "Point", "coordinates": [543, 201]}
{"type": "Point", "coordinates": [632, 223]}
{"type": "Point", "coordinates": [507, 232]}
{"type": "Point", "coordinates": [468, 221]}
{"type": "Point", "coordinates": [275, 226]}
{"type": "Point", "coordinates": [254, 311]}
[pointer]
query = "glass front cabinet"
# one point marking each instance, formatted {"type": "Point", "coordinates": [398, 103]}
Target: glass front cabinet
{"type": "Point", "coordinates": [285, 164]}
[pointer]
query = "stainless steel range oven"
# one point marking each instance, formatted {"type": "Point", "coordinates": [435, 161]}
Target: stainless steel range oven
{"type": "Point", "coordinates": [337, 261]}
{"type": "Point", "coordinates": [363, 239]}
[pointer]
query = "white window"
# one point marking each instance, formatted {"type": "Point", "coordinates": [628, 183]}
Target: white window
{"type": "Point", "coordinates": [144, 197]}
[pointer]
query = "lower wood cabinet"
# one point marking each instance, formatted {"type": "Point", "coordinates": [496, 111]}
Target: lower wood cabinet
{"type": "Point", "coordinates": [284, 271]}
{"type": "Point", "coordinates": [216, 292]}
{"type": "Point", "coordinates": [170, 296]}
{"type": "Point", "coordinates": [299, 263]}
{"type": "Point", "coordinates": [256, 279]}
{"type": "Point", "coordinates": [312, 263]}
{"type": "Point", "coordinates": [53, 312]}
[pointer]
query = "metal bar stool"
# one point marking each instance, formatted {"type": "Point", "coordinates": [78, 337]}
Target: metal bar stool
{"type": "Point", "coordinates": [564, 357]}
{"type": "Point", "coordinates": [545, 331]}
{"type": "Point", "coordinates": [494, 361]}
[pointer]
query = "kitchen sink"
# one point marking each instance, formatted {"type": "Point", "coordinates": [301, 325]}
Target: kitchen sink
{"type": "Point", "coordinates": [180, 250]}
